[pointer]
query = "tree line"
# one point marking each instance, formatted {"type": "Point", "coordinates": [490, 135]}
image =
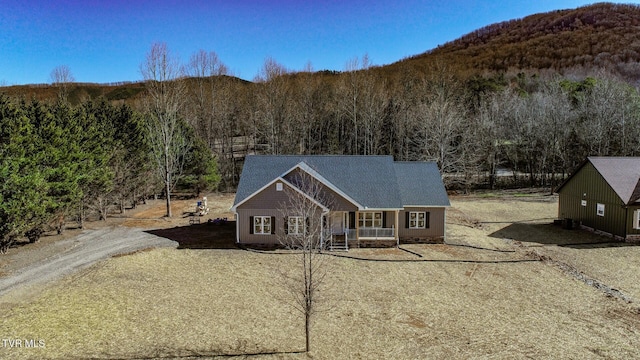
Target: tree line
{"type": "Point", "coordinates": [62, 163]}
{"type": "Point", "coordinates": [538, 126]}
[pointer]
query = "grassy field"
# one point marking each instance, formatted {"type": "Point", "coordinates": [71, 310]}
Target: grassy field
{"type": "Point", "coordinates": [453, 302]}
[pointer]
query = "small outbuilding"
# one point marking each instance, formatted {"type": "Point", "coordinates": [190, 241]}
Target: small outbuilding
{"type": "Point", "coordinates": [603, 194]}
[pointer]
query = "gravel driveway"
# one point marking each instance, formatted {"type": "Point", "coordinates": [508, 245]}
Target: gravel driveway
{"type": "Point", "coordinates": [66, 256]}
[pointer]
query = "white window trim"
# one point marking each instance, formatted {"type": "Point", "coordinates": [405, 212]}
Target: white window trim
{"type": "Point", "coordinates": [600, 209]}
{"type": "Point", "coordinates": [294, 226]}
{"type": "Point", "coordinates": [369, 218]}
{"type": "Point", "coordinates": [259, 225]}
{"type": "Point", "coordinates": [636, 219]}
{"type": "Point", "coordinates": [416, 220]}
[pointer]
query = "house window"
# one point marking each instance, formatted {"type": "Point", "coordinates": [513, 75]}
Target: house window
{"type": "Point", "coordinates": [370, 219]}
{"type": "Point", "coordinates": [262, 225]}
{"type": "Point", "coordinates": [417, 220]}
{"type": "Point", "coordinates": [600, 209]}
{"type": "Point", "coordinates": [279, 186]}
{"type": "Point", "coordinates": [295, 225]}
{"type": "Point", "coordinates": [636, 219]}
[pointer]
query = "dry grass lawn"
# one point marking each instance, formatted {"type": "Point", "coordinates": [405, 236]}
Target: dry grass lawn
{"type": "Point", "coordinates": [185, 303]}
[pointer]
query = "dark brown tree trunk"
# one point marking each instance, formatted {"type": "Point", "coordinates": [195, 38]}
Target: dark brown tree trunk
{"type": "Point", "coordinates": [307, 324]}
{"type": "Point", "coordinates": [167, 182]}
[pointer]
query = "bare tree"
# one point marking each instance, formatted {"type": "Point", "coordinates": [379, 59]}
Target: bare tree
{"type": "Point", "coordinates": [205, 68]}
{"type": "Point", "coordinates": [166, 130]}
{"type": "Point", "coordinates": [305, 233]}
{"type": "Point", "coordinates": [491, 132]}
{"type": "Point", "coordinates": [439, 115]}
{"type": "Point", "coordinates": [61, 76]}
{"type": "Point", "coordinates": [608, 117]}
{"type": "Point", "coordinates": [374, 100]}
{"type": "Point", "coordinates": [271, 99]}
{"type": "Point", "coordinates": [351, 90]}
{"type": "Point", "coordinates": [211, 110]}
{"type": "Point", "coordinates": [404, 99]}
{"type": "Point", "coordinates": [305, 110]}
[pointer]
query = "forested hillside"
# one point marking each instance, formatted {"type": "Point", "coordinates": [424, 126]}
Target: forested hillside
{"type": "Point", "coordinates": [78, 147]}
{"type": "Point", "coordinates": [603, 35]}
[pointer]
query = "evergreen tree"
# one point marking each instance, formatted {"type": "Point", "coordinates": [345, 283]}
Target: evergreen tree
{"type": "Point", "coordinates": [21, 202]}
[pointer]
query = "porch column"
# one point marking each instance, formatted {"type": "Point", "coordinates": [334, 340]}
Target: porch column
{"type": "Point", "coordinates": [444, 227]}
{"type": "Point", "coordinates": [397, 227]}
{"type": "Point", "coordinates": [357, 227]}
{"type": "Point", "coordinates": [322, 217]}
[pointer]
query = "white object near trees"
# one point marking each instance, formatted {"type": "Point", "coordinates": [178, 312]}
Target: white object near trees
{"type": "Point", "coordinates": [202, 208]}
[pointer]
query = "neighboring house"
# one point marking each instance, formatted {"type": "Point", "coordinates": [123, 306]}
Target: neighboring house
{"type": "Point", "coordinates": [374, 200]}
{"type": "Point", "coordinates": [604, 194]}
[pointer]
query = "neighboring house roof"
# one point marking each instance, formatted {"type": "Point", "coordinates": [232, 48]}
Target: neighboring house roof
{"type": "Point", "coordinates": [621, 173]}
{"type": "Point", "coordinates": [371, 181]}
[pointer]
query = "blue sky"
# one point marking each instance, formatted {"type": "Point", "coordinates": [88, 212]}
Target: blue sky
{"type": "Point", "coordinates": [106, 41]}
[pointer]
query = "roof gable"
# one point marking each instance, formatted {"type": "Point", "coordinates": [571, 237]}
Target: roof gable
{"type": "Point", "coordinates": [622, 174]}
{"type": "Point", "coordinates": [303, 167]}
{"type": "Point", "coordinates": [269, 184]}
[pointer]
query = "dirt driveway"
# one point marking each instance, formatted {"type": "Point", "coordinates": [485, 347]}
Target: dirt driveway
{"type": "Point", "coordinates": [41, 265]}
{"type": "Point", "coordinates": [28, 268]}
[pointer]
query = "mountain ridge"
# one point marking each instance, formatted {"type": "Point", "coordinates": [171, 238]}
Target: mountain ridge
{"type": "Point", "coordinates": [593, 37]}
{"type": "Point", "coordinates": [602, 35]}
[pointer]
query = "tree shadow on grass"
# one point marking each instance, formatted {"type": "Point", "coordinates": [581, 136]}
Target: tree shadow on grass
{"type": "Point", "coordinates": [201, 236]}
{"type": "Point", "coordinates": [550, 234]}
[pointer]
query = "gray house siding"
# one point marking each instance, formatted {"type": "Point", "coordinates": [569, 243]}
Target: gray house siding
{"type": "Point", "coordinates": [268, 202]}
{"type": "Point", "coordinates": [265, 203]}
{"type": "Point", "coordinates": [434, 231]}
{"type": "Point", "coordinates": [269, 198]}
{"type": "Point", "coordinates": [243, 224]}
{"type": "Point", "coordinates": [589, 186]}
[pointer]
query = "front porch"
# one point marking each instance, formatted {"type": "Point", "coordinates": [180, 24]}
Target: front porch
{"type": "Point", "coordinates": [362, 229]}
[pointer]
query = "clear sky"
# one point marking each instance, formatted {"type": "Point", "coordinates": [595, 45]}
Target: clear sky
{"type": "Point", "coordinates": [106, 41]}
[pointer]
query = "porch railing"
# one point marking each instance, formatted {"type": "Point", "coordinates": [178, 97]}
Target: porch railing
{"type": "Point", "coordinates": [376, 232]}
{"type": "Point", "coordinates": [370, 233]}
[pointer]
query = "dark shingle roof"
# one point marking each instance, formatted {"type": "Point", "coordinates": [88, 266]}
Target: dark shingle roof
{"type": "Point", "coordinates": [420, 183]}
{"type": "Point", "coordinates": [369, 180]}
{"type": "Point", "coordinates": [622, 174]}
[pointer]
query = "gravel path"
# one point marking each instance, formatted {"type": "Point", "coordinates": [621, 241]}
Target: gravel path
{"type": "Point", "coordinates": [66, 256]}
